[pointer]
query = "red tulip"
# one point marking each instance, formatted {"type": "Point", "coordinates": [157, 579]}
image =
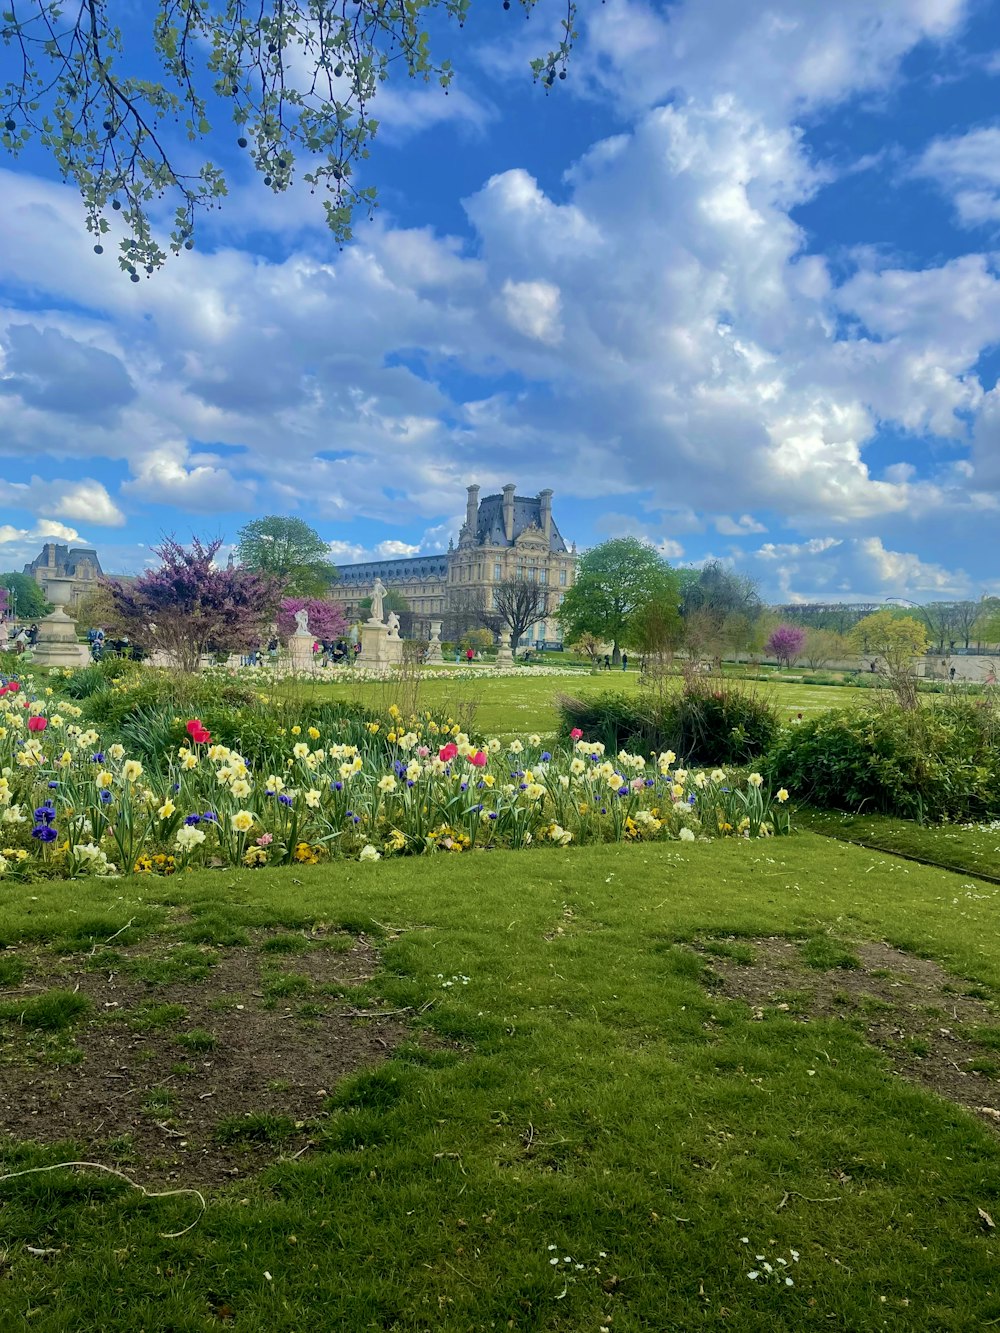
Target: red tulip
{"type": "Point", "coordinates": [479, 758]}
{"type": "Point", "coordinates": [13, 687]}
{"type": "Point", "coordinates": [575, 734]}
{"type": "Point", "coordinates": [194, 725]}
{"type": "Point", "coordinates": [37, 723]}
{"type": "Point", "coordinates": [448, 751]}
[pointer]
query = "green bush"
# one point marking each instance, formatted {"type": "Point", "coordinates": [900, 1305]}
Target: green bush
{"type": "Point", "coordinates": [710, 720]}
{"type": "Point", "coordinates": [940, 761]}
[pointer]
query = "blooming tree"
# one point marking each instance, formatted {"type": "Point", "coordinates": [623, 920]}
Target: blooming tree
{"type": "Point", "coordinates": [786, 643]}
{"type": "Point", "coordinates": [190, 606]}
{"type": "Point", "coordinates": [327, 620]}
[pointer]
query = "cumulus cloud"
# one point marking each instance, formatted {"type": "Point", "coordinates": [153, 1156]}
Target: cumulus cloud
{"type": "Point", "coordinates": [852, 569]}
{"type": "Point", "coordinates": [53, 372]}
{"type": "Point", "coordinates": [55, 498]}
{"type": "Point", "coordinates": [744, 526]}
{"type": "Point", "coordinates": [967, 168]}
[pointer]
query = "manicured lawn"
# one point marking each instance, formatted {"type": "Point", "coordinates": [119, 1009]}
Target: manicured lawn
{"type": "Point", "coordinates": [525, 703]}
{"type": "Point", "coordinates": [971, 849]}
{"type": "Point", "coordinates": [585, 1126]}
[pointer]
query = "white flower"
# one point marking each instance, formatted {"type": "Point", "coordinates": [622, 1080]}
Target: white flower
{"type": "Point", "coordinates": [188, 837]}
{"type": "Point", "coordinates": [370, 853]}
{"type": "Point", "coordinates": [755, 780]}
{"type": "Point", "coordinates": [312, 798]}
{"type": "Point", "coordinates": [686, 835]}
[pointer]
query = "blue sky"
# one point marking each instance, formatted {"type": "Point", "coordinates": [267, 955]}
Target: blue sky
{"type": "Point", "coordinates": [733, 286]}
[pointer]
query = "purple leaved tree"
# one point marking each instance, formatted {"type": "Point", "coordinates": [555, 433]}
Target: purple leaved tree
{"type": "Point", "coordinates": [786, 643]}
{"type": "Point", "coordinates": [190, 605]}
{"type": "Point", "coordinates": [327, 620]}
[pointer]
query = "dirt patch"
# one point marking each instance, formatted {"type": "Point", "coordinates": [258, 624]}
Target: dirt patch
{"type": "Point", "coordinates": [908, 1007]}
{"type": "Point", "coordinates": [192, 1064]}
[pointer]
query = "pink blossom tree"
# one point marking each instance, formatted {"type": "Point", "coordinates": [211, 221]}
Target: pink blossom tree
{"type": "Point", "coordinates": [786, 643]}
{"type": "Point", "coordinates": [327, 620]}
{"type": "Point", "coordinates": [190, 606]}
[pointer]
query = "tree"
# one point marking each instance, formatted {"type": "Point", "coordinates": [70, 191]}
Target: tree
{"type": "Point", "coordinates": [392, 601]}
{"type": "Point", "coordinates": [517, 605]}
{"type": "Point", "coordinates": [615, 582]}
{"type": "Point", "coordinates": [987, 625]}
{"type": "Point", "coordinates": [657, 629]}
{"type": "Point", "coordinates": [327, 620]}
{"type": "Point", "coordinates": [25, 598]}
{"type": "Point", "coordinates": [479, 640]}
{"type": "Point", "coordinates": [288, 549]}
{"type": "Point", "coordinates": [786, 643]}
{"type": "Point", "coordinates": [587, 645]}
{"type": "Point", "coordinates": [297, 77]}
{"type": "Point", "coordinates": [823, 646]}
{"type": "Point", "coordinates": [97, 609]}
{"type": "Point", "coordinates": [896, 639]}
{"type": "Point", "coordinates": [190, 606]}
{"type": "Point", "coordinates": [721, 592]}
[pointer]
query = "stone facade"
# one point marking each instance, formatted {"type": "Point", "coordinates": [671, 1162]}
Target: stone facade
{"type": "Point", "coordinates": [504, 536]}
{"type": "Point", "coordinates": [78, 563]}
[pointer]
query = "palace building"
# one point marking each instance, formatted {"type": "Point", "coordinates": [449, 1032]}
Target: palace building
{"type": "Point", "coordinates": [79, 563]}
{"type": "Point", "coordinates": [504, 536]}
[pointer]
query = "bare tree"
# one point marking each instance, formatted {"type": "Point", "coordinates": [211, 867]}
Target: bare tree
{"type": "Point", "coordinates": [517, 605]}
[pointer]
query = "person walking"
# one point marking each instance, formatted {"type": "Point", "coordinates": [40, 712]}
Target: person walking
{"type": "Point", "coordinates": [624, 661]}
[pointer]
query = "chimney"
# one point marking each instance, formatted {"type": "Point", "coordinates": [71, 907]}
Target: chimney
{"type": "Point", "coordinates": [545, 508]}
{"type": "Point", "coordinates": [472, 510]}
{"type": "Point", "coordinates": [508, 511]}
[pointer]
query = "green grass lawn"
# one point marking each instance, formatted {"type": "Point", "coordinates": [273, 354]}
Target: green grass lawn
{"type": "Point", "coordinates": [972, 850]}
{"type": "Point", "coordinates": [520, 704]}
{"type": "Point", "coordinates": [583, 1131]}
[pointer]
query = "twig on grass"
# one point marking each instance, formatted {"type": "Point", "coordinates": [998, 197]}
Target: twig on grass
{"type": "Point", "coordinates": [794, 1194]}
{"type": "Point", "coordinates": [113, 1171]}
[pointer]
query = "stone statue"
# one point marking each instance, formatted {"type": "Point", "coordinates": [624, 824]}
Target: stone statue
{"type": "Point", "coordinates": [379, 590]}
{"type": "Point", "coordinates": [302, 621]}
{"type": "Point", "coordinates": [393, 625]}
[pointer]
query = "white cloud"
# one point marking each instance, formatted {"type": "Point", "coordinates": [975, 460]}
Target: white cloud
{"type": "Point", "coordinates": [533, 309]}
{"type": "Point", "coordinates": [745, 525]}
{"type": "Point", "coordinates": [829, 569]}
{"type": "Point", "coordinates": [162, 477]}
{"type": "Point", "coordinates": [783, 57]}
{"type": "Point", "coordinates": [967, 168]}
{"type": "Point", "coordinates": [55, 498]}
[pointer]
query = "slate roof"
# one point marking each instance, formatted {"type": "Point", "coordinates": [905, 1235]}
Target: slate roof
{"type": "Point", "coordinates": [527, 511]}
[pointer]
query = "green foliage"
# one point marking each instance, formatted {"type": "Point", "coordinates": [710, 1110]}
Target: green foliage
{"type": "Point", "coordinates": [887, 634]}
{"type": "Point", "coordinates": [706, 721]}
{"type": "Point", "coordinates": [25, 598]}
{"type": "Point", "coordinates": [289, 549]}
{"type": "Point", "coordinates": [940, 761]}
{"type": "Point", "coordinates": [616, 585]}
{"type": "Point", "coordinates": [51, 1012]}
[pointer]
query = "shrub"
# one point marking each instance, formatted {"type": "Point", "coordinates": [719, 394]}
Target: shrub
{"type": "Point", "coordinates": [710, 720]}
{"type": "Point", "coordinates": [940, 761]}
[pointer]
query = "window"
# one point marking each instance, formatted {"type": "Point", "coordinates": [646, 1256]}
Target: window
{"type": "Point", "coordinates": [520, 571]}
{"type": "Point", "coordinates": [543, 576]}
{"type": "Point", "coordinates": [562, 578]}
{"type": "Point", "coordinates": [497, 571]}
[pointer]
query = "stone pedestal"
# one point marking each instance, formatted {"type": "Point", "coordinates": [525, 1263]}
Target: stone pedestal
{"type": "Point", "coordinates": [379, 651]}
{"type": "Point", "coordinates": [504, 656]}
{"type": "Point", "coordinates": [300, 651]}
{"type": "Point", "coordinates": [434, 647]}
{"type": "Point", "coordinates": [57, 644]}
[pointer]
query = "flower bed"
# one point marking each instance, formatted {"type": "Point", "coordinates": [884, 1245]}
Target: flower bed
{"type": "Point", "coordinates": [72, 804]}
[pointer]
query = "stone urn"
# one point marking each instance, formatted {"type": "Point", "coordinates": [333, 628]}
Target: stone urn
{"type": "Point", "coordinates": [57, 644]}
{"type": "Point", "coordinates": [434, 647]}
